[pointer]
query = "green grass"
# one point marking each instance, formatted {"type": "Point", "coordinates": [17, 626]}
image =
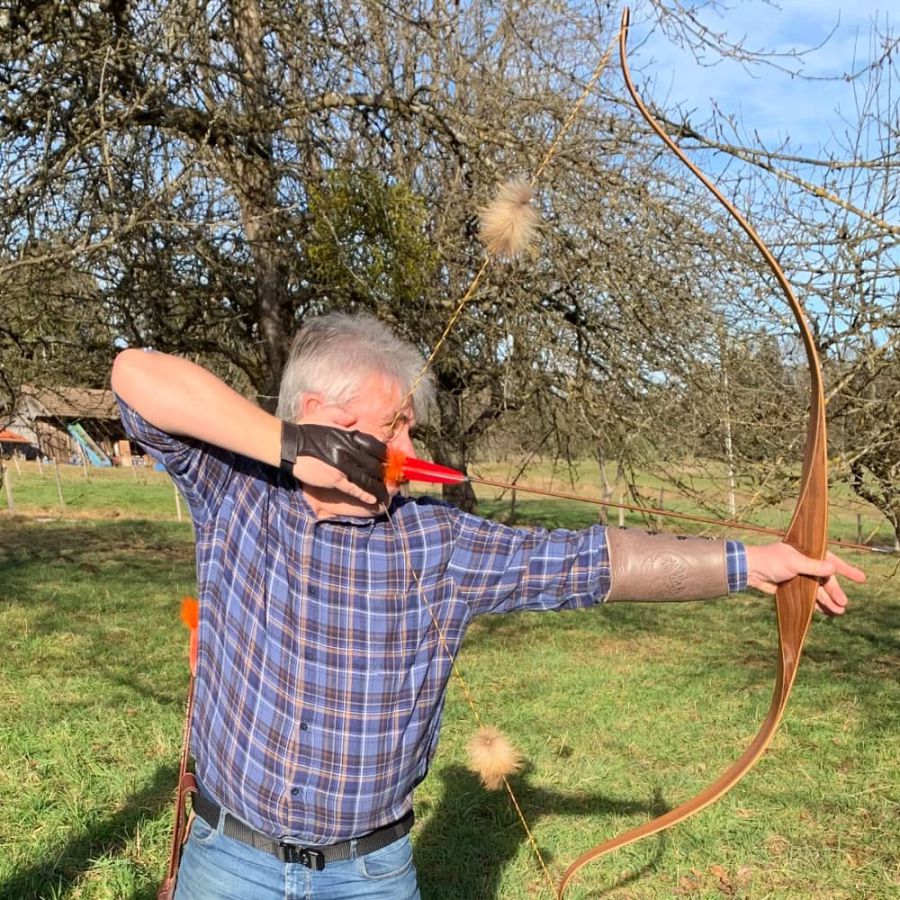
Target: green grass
{"type": "Point", "coordinates": [621, 712]}
{"type": "Point", "coordinates": [147, 494]}
{"type": "Point", "coordinates": [105, 493]}
{"type": "Point", "coordinates": [92, 683]}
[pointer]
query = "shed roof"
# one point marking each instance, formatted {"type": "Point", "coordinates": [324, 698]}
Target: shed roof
{"type": "Point", "coordinates": [10, 437]}
{"type": "Point", "coordinates": [72, 402]}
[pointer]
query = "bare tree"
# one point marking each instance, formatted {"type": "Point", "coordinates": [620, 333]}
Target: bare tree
{"type": "Point", "coordinates": [220, 172]}
{"type": "Point", "coordinates": [831, 218]}
{"type": "Point", "coordinates": [184, 155]}
{"type": "Point", "coordinates": [838, 216]}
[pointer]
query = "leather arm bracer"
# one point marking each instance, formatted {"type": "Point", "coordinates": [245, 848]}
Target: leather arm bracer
{"type": "Point", "coordinates": [660, 567]}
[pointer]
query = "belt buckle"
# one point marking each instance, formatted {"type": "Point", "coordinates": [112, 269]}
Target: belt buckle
{"type": "Point", "coordinates": [306, 856]}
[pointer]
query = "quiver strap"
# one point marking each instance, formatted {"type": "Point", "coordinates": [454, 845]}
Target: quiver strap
{"type": "Point", "coordinates": [187, 784]}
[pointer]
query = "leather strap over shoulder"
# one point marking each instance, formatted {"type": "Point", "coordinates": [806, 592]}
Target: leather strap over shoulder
{"type": "Point", "coordinates": [665, 567]}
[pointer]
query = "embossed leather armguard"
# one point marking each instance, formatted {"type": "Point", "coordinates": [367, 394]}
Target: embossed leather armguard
{"type": "Point", "coordinates": [665, 567]}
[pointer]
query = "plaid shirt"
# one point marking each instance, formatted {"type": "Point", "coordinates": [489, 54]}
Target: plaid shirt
{"type": "Point", "coordinates": [321, 674]}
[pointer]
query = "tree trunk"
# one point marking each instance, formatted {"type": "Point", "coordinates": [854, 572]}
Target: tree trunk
{"type": "Point", "coordinates": [450, 450]}
{"type": "Point", "coordinates": [250, 169]}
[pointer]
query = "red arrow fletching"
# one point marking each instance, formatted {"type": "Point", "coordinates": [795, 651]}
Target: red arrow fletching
{"type": "Point", "coordinates": [399, 467]}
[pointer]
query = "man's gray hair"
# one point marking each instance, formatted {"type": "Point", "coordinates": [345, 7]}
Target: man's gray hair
{"type": "Point", "coordinates": [333, 355]}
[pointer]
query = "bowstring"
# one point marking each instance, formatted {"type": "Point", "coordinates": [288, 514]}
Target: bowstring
{"type": "Point", "coordinates": [451, 322]}
{"type": "Point", "coordinates": [467, 693]}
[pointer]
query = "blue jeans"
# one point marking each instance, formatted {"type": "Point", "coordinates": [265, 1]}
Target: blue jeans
{"type": "Point", "coordinates": [216, 867]}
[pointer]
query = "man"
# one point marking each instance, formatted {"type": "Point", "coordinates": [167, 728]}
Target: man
{"type": "Point", "coordinates": [327, 619]}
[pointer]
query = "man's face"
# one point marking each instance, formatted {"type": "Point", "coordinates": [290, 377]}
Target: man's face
{"type": "Point", "coordinates": [380, 409]}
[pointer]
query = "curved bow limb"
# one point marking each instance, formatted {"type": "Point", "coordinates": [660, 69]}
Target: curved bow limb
{"type": "Point", "coordinates": [795, 600]}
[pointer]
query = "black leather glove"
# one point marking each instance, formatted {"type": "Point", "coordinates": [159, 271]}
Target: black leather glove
{"type": "Point", "coordinates": [358, 455]}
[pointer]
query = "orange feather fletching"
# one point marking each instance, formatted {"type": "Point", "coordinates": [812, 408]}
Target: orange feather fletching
{"type": "Point", "coordinates": [393, 466]}
{"type": "Point", "coordinates": [399, 468]}
{"type": "Point", "coordinates": [190, 612]}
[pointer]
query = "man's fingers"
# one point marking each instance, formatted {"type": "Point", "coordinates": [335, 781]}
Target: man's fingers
{"type": "Point", "coordinates": [775, 564]}
{"type": "Point", "coordinates": [356, 456]}
{"type": "Point", "coordinates": [831, 599]}
{"type": "Point", "coordinates": [815, 568]}
{"type": "Point", "coordinates": [831, 565]}
{"type": "Point", "coordinates": [842, 567]}
{"type": "Point", "coordinates": [363, 460]}
{"type": "Point", "coordinates": [375, 487]}
{"type": "Point", "coordinates": [346, 486]}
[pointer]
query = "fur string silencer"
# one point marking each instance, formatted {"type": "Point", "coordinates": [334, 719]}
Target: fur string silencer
{"type": "Point", "coordinates": [508, 224]}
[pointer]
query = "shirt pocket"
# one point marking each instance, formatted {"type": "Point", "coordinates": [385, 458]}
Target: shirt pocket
{"type": "Point", "coordinates": [394, 661]}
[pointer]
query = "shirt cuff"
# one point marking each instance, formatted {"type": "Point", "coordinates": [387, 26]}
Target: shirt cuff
{"type": "Point", "coordinates": [736, 565]}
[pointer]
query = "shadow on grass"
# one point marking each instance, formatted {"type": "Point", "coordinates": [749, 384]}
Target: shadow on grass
{"type": "Point", "coordinates": [879, 627]}
{"type": "Point", "coordinates": [473, 834]}
{"type": "Point", "coordinates": [28, 539]}
{"type": "Point", "coordinates": [88, 548]}
{"type": "Point", "coordinates": [64, 571]}
{"type": "Point", "coordinates": [110, 587]}
{"type": "Point", "coordinates": [862, 644]}
{"type": "Point", "coordinates": [66, 864]}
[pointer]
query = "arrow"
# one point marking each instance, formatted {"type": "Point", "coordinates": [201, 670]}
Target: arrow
{"type": "Point", "coordinates": [401, 468]}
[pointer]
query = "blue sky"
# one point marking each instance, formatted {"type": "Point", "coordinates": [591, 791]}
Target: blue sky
{"type": "Point", "coordinates": [763, 99]}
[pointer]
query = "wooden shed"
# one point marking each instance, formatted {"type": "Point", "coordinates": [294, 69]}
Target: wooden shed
{"type": "Point", "coordinates": [66, 423]}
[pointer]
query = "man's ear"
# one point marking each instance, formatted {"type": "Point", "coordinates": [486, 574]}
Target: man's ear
{"type": "Point", "coordinates": [308, 405]}
{"type": "Point", "coordinates": [314, 408]}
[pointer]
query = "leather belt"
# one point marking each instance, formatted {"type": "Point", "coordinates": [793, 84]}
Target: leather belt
{"type": "Point", "coordinates": [311, 857]}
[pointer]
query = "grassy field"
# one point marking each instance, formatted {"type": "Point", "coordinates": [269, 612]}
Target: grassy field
{"type": "Point", "coordinates": [621, 712]}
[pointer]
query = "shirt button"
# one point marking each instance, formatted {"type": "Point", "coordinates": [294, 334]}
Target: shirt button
{"type": "Point", "coordinates": [313, 591]}
{"type": "Point", "coordinates": [295, 791]}
{"type": "Point", "coordinates": [304, 726]}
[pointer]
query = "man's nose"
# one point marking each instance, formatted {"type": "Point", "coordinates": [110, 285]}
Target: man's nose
{"type": "Point", "coordinates": [403, 443]}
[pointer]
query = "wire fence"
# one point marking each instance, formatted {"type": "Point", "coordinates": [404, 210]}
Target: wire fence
{"type": "Point", "coordinates": [37, 488]}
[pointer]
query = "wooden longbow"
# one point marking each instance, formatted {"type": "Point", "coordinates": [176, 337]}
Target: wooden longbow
{"type": "Point", "coordinates": [795, 600]}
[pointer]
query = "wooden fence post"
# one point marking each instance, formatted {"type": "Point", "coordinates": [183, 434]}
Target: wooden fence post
{"type": "Point", "coordinates": [621, 512]}
{"type": "Point", "coordinates": [7, 483]}
{"type": "Point", "coordinates": [177, 502]}
{"type": "Point", "coordinates": [62, 500]}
